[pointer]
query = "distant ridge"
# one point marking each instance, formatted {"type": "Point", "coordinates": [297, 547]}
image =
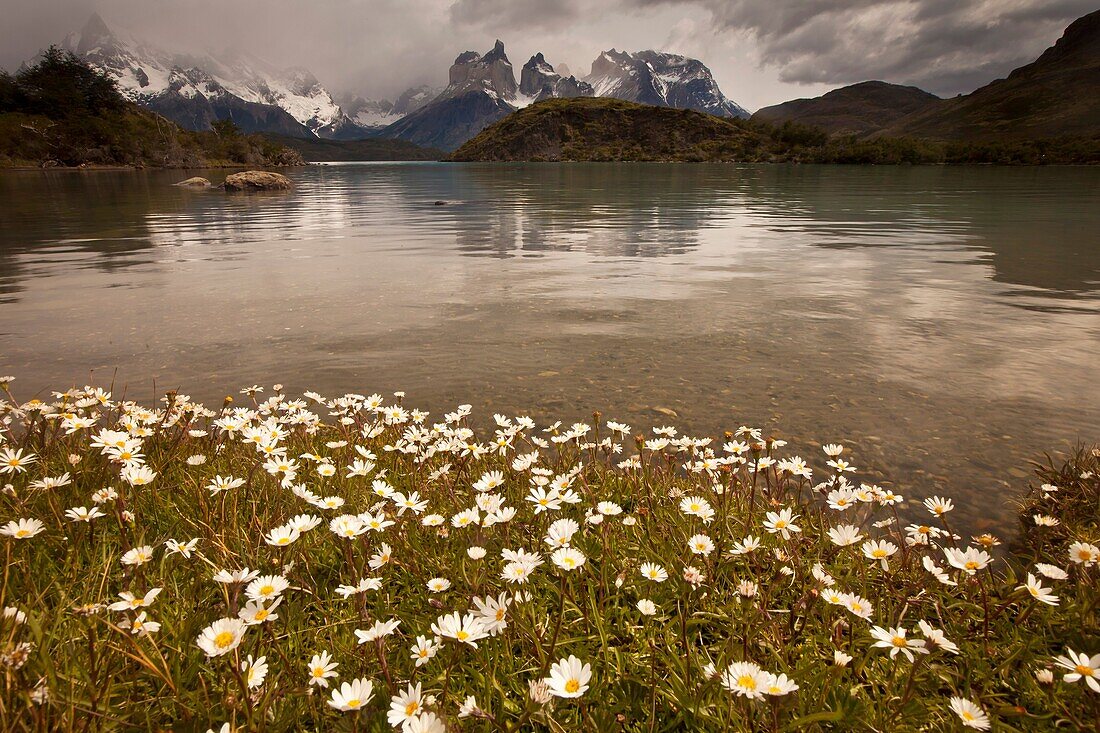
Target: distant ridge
{"type": "Point", "coordinates": [857, 109]}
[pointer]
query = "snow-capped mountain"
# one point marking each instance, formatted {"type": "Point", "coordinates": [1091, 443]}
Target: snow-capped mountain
{"type": "Point", "coordinates": [539, 81]}
{"type": "Point", "coordinates": [660, 79]}
{"type": "Point", "coordinates": [482, 90]}
{"type": "Point", "coordinates": [196, 90]}
{"type": "Point", "coordinates": [374, 114]}
{"type": "Point", "coordinates": [414, 98]}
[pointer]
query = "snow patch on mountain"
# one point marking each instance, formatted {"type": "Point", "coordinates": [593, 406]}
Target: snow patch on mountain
{"type": "Point", "coordinates": [662, 79]}
{"type": "Point", "coordinates": [145, 74]}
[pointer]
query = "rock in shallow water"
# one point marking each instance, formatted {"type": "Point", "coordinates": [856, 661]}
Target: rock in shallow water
{"type": "Point", "coordinates": [195, 182]}
{"type": "Point", "coordinates": [257, 181]}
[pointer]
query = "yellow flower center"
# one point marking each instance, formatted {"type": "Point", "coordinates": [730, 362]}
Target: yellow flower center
{"type": "Point", "coordinates": [1086, 671]}
{"type": "Point", "coordinates": [266, 590]}
{"type": "Point", "coordinates": [746, 681]}
{"type": "Point", "coordinates": [879, 553]}
{"type": "Point", "coordinates": [412, 707]}
{"type": "Point", "coordinates": [262, 614]}
{"type": "Point", "coordinates": [971, 565]}
{"type": "Point", "coordinates": [967, 715]}
{"type": "Point", "coordinates": [353, 703]}
{"type": "Point", "coordinates": [462, 635]}
{"type": "Point", "coordinates": [898, 641]}
{"type": "Point", "coordinates": [22, 533]}
{"type": "Point", "coordinates": [224, 639]}
{"type": "Point", "coordinates": [572, 686]}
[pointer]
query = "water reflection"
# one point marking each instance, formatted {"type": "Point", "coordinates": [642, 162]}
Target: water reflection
{"type": "Point", "coordinates": [945, 322]}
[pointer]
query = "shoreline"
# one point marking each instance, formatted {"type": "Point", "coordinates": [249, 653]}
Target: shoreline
{"type": "Point", "coordinates": [308, 164]}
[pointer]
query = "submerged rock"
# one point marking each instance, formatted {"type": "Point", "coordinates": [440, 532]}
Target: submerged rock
{"type": "Point", "coordinates": [257, 181]}
{"type": "Point", "coordinates": [194, 182]}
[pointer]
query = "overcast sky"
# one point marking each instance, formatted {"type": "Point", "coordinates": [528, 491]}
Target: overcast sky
{"type": "Point", "coordinates": [761, 51]}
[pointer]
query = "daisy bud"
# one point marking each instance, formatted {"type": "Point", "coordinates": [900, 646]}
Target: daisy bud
{"type": "Point", "coordinates": [539, 692]}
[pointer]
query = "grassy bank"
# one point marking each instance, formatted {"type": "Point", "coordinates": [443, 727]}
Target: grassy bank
{"type": "Point", "coordinates": [352, 563]}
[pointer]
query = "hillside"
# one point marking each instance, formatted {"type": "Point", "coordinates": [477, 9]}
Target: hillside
{"type": "Point", "coordinates": [601, 129]}
{"type": "Point", "coordinates": [852, 110]}
{"type": "Point", "coordinates": [318, 150]}
{"type": "Point", "coordinates": [1056, 95]}
{"type": "Point", "coordinates": [62, 112]}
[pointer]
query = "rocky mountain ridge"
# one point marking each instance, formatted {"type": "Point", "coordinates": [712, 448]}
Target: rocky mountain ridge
{"type": "Point", "coordinates": [483, 89]}
{"type": "Point", "coordinates": [662, 80]}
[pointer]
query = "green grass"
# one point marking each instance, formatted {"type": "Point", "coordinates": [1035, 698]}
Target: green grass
{"type": "Point", "coordinates": [73, 665]}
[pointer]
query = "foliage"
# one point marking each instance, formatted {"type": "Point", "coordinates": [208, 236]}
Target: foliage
{"type": "Point", "coordinates": [60, 111]}
{"type": "Point", "coordinates": [699, 585]}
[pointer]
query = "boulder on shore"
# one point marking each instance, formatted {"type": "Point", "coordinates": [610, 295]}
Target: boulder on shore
{"type": "Point", "coordinates": [194, 182]}
{"type": "Point", "coordinates": [257, 181]}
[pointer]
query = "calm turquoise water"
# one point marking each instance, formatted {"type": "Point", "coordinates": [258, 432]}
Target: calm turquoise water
{"type": "Point", "coordinates": [945, 323]}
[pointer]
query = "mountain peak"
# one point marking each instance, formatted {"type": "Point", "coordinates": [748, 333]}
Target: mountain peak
{"type": "Point", "coordinates": [662, 80]}
{"type": "Point", "coordinates": [497, 54]}
{"type": "Point", "coordinates": [95, 34]}
{"type": "Point", "coordinates": [492, 71]}
{"type": "Point", "coordinates": [539, 81]}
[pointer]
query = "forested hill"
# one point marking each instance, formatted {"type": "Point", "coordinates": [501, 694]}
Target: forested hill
{"type": "Point", "coordinates": [596, 129]}
{"type": "Point", "coordinates": [60, 112]}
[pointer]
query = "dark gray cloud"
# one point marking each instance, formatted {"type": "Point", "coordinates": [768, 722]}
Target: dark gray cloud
{"type": "Point", "coordinates": [761, 51]}
{"type": "Point", "coordinates": [945, 46]}
{"type": "Point", "coordinates": [517, 14]}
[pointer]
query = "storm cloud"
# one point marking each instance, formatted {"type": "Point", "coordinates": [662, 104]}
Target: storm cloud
{"type": "Point", "coordinates": [944, 46]}
{"type": "Point", "coordinates": [761, 51]}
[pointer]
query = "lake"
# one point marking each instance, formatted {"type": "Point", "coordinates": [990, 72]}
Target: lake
{"type": "Point", "coordinates": [942, 322]}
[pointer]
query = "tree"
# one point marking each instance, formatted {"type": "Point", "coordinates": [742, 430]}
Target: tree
{"type": "Point", "coordinates": [61, 85]}
{"type": "Point", "coordinates": [226, 128]}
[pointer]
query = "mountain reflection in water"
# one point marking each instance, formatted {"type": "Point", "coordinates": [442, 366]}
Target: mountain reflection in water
{"type": "Point", "coordinates": [942, 322]}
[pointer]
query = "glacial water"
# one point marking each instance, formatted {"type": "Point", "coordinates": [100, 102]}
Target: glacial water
{"type": "Point", "coordinates": [944, 323]}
